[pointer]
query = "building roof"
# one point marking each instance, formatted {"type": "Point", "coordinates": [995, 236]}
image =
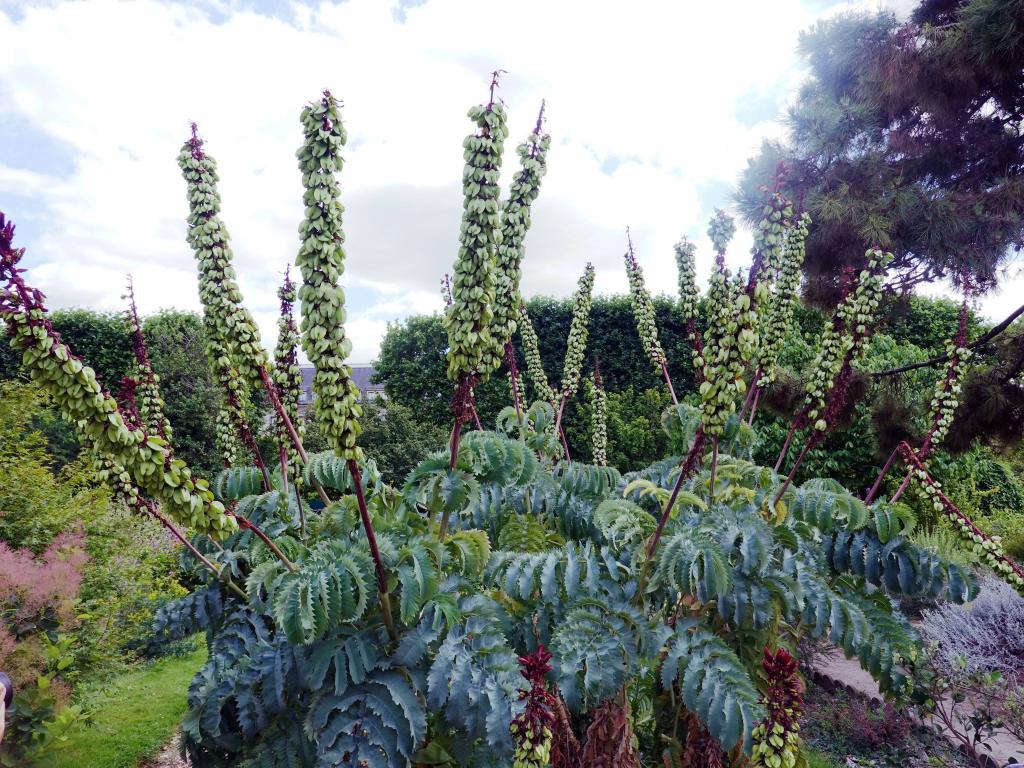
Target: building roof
{"type": "Point", "coordinates": [362, 376]}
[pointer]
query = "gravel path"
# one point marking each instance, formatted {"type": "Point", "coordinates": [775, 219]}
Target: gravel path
{"type": "Point", "coordinates": [849, 672]}
{"type": "Point", "coordinates": [169, 757]}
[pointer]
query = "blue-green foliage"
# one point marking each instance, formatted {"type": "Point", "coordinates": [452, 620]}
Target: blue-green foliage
{"type": "Point", "coordinates": [303, 672]}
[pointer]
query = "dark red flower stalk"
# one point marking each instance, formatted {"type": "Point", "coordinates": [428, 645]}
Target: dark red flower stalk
{"type": "Point", "coordinates": [777, 739]}
{"type": "Point", "coordinates": [533, 727]}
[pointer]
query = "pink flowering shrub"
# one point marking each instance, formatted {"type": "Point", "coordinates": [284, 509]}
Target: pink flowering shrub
{"type": "Point", "coordinates": [37, 594]}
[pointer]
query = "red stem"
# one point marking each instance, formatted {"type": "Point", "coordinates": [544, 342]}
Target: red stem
{"type": "Point", "coordinates": [686, 467]}
{"type": "Point", "coordinates": [792, 472]}
{"type": "Point", "coordinates": [753, 408]}
{"type": "Point", "coordinates": [150, 509]}
{"type": "Point", "coordinates": [248, 524]}
{"type": "Point", "coordinates": [881, 476]}
{"type": "Point", "coordinates": [668, 380]}
{"type": "Point", "coordinates": [371, 537]}
{"type": "Point", "coordinates": [785, 448]}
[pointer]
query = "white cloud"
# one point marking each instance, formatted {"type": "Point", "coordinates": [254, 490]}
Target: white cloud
{"type": "Point", "coordinates": [644, 104]}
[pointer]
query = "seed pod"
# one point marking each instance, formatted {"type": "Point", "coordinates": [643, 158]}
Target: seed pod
{"type": "Point", "coordinates": [287, 377]}
{"type": "Point", "coordinates": [778, 316]}
{"type": "Point", "coordinates": [576, 346]}
{"type": "Point", "coordinates": [472, 350]}
{"type": "Point", "coordinates": [643, 311]}
{"type": "Point", "coordinates": [96, 415]}
{"type": "Point", "coordinates": [515, 223]}
{"type": "Point", "coordinates": [321, 258]}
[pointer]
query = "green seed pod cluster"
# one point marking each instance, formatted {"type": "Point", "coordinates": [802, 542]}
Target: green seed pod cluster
{"type": "Point", "coordinates": [779, 316]}
{"type": "Point", "coordinates": [946, 398]}
{"type": "Point", "coordinates": [643, 312]}
{"type": "Point", "coordinates": [82, 401]}
{"type": "Point", "coordinates": [147, 389]}
{"type": "Point", "coordinates": [472, 350]}
{"type": "Point", "coordinates": [576, 347]}
{"type": "Point", "coordinates": [599, 421]}
{"type": "Point", "coordinates": [230, 321]}
{"type": "Point", "coordinates": [721, 231]}
{"type": "Point", "coordinates": [689, 296]}
{"type": "Point", "coordinates": [321, 259]}
{"type": "Point", "coordinates": [776, 215]}
{"type": "Point", "coordinates": [534, 367]}
{"type": "Point", "coordinates": [721, 362]}
{"type": "Point", "coordinates": [845, 336]}
{"type": "Point", "coordinates": [533, 746]}
{"type": "Point", "coordinates": [515, 222]}
{"type": "Point", "coordinates": [777, 739]}
{"type": "Point", "coordinates": [989, 549]}
{"type": "Point", "coordinates": [287, 376]}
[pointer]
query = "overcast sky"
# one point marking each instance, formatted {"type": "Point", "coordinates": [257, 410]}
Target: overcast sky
{"type": "Point", "coordinates": [653, 109]}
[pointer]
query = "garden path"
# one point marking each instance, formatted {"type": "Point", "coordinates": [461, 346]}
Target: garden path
{"type": "Point", "coordinates": [848, 672]}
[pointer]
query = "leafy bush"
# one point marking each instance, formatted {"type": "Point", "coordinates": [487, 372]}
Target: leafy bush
{"type": "Point", "coordinates": [333, 633]}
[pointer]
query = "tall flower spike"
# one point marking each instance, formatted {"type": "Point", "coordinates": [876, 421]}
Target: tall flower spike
{"type": "Point", "coordinates": [322, 261]}
{"type": "Point", "coordinates": [82, 402]}
{"type": "Point", "coordinates": [218, 289]}
{"type": "Point", "coordinates": [689, 295]}
{"type": "Point", "coordinates": [844, 340]}
{"type": "Point", "coordinates": [777, 739]}
{"type": "Point", "coordinates": [472, 350]}
{"type": "Point", "coordinates": [147, 389]}
{"type": "Point", "coordinates": [232, 342]}
{"type": "Point", "coordinates": [779, 316]}
{"type": "Point", "coordinates": [643, 310]}
{"type": "Point", "coordinates": [722, 363]}
{"type": "Point", "coordinates": [287, 375]}
{"type": "Point", "coordinates": [769, 236]}
{"type": "Point", "coordinates": [515, 222]}
{"type": "Point", "coordinates": [532, 728]}
{"type": "Point", "coordinates": [599, 422]}
{"type": "Point", "coordinates": [576, 348]}
{"type": "Point", "coordinates": [534, 367]}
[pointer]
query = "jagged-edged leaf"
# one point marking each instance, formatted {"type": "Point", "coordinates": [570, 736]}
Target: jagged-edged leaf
{"type": "Point", "coordinates": [714, 684]}
{"type": "Point", "coordinates": [527, 534]}
{"type": "Point", "coordinates": [238, 482]}
{"type": "Point", "coordinates": [331, 587]}
{"type": "Point", "coordinates": [379, 722]}
{"type": "Point", "coordinates": [596, 647]}
{"type": "Point", "coordinates": [473, 680]}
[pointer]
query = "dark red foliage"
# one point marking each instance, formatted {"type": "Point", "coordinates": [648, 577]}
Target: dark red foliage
{"type": "Point", "coordinates": [785, 695]}
{"type": "Point", "coordinates": [610, 739]}
{"type": "Point", "coordinates": [539, 714]}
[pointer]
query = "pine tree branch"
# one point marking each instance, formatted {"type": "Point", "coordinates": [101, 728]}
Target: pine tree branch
{"type": "Point", "coordinates": [984, 339]}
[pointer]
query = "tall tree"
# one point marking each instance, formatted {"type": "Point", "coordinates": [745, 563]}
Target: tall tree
{"type": "Point", "coordinates": [907, 136]}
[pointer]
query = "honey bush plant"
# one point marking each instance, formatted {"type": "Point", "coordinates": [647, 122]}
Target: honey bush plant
{"type": "Point", "coordinates": [504, 605]}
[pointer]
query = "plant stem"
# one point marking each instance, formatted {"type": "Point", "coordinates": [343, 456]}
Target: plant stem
{"type": "Point", "coordinates": [302, 512]}
{"type": "Point", "coordinates": [792, 472]}
{"type": "Point", "coordinates": [903, 487]}
{"type": "Point", "coordinates": [668, 380]}
{"type": "Point", "coordinates": [251, 526]}
{"type": "Point", "coordinates": [476, 418]}
{"type": "Point", "coordinates": [785, 448]}
{"type": "Point", "coordinates": [753, 408]}
{"type": "Point", "coordinates": [378, 563]}
{"type": "Point", "coordinates": [685, 468]}
{"type": "Point", "coordinates": [230, 584]}
{"type": "Point", "coordinates": [282, 455]}
{"type": "Point", "coordinates": [714, 470]}
{"type": "Point", "coordinates": [275, 401]}
{"type": "Point", "coordinates": [881, 476]}
{"type": "Point", "coordinates": [750, 393]}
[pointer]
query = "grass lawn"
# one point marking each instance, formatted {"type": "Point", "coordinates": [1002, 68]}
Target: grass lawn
{"type": "Point", "coordinates": [134, 715]}
{"type": "Point", "coordinates": [819, 760]}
